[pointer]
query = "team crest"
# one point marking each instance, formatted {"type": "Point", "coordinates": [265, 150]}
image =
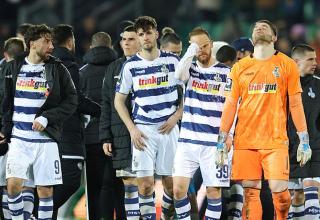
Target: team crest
{"type": "Point", "coordinates": [164, 69]}
{"type": "Point", "coordinates": [311, 93]}
{"type": "Point", "coordinates": [217, 77]}
{"type": "Point", "coordinates": [276, 72]}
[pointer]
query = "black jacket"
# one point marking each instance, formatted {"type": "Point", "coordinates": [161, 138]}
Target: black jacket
{"type": "Point", "coordinates": [72, 143]}
{"type": "Point", "coordinates": [59, 105]}
{"type": "Point", "coordinates": [311, 102]}
{"type": "Point", "coordinates": [91, 78]}
{"type": "Point", "coordinates": [112, 129]}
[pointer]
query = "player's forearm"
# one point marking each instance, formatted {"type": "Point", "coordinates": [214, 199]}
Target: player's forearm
{"type": "Point", "coordinates": [119, 104]}
{"type": "Point", "coordinates": [297, 112]}
{"type": "Point", "coordinates": [228, 114]}
{"type": "Point", "coordinates": [182, 70]}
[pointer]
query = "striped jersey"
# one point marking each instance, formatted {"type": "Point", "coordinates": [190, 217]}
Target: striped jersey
{"type": "Point", "coordinates": [203, 105]}
{"type": "Point", "coordinates": [153, 87]}
{"type": "Point", "coordinates": [31, 93]}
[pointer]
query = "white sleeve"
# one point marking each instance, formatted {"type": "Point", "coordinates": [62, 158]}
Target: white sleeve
{"type": "Point", "coordinates": [125, 82]}
{"type": "Point", "coordinates": [42, 120]}
{"type": "Point", "coordinates": [182, 70]}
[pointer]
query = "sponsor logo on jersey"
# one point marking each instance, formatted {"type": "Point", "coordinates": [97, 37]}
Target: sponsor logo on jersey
{"type": "Point", "coordinates": [262, 88]}
{"type": "Point", "coordinates": [31, 84]}
{"type": "Point", "coordinates": [153, 81]}
{"type": "Point", "coordinates": [206, 87]}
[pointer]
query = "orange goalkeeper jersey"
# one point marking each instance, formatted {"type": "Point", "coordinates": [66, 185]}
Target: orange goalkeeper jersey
{"type": "Point", "coordinates": [263, 86]}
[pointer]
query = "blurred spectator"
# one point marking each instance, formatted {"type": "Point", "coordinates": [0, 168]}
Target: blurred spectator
{"type": "Point", "coordinates": [209, 9]}
{"type": "Point", "coordinates": [85, 31]}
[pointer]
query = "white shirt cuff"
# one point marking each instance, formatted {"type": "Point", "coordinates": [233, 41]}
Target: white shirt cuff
{"type": "Point", "coordinates": [42, 120]}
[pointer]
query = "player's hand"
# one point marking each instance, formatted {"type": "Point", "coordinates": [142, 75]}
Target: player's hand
{"type": "Point", "coordinates": [37, 126]}
{"type": "Point", "coordinates": [222, 151]}
{"type": "Point", "coordinates": [107, 149]}
{"type": "Point", "coordinates": [137, 137]}
{"type": "Point", "coordinates": [2, 138]}
{"type": "Point", "coordinates": [168, 125]}
{"type": "Point", "coordinates": [304, 151]}
{"type": "Point", "coordinates": [192, 50]}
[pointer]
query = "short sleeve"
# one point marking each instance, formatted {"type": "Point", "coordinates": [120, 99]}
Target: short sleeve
{"type": "Point", "coordinates": [125, 82]}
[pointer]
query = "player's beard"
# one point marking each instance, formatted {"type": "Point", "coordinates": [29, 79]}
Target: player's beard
{"type": "Point", "coordinates": [206, 59]}
{"type": "Point", "coordinates": [262, 39]}
{"type": "Point", "coordinates": [43, 55]}
{"type": "Point", "coordinates": [148, 47]}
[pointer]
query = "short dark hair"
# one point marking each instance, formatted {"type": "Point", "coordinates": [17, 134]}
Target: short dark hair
{"type": "Point", "coordinates": [198, 31]}
{"type": "Point", "coordinates": [61, 33]}
{"type": "Point", "coordinates": [226, 53]}
{"type": "Point", "coordinates": [13, 46]}
{"type": "Point", "coordinates": [101, 39]}
{"type": "Point", "coordinates": [271, 25]}
{"type": "Point", "coordinates": [35, 32]}
{"type": "Point", "coordinates": [129, 28]}
{"type": "Point", "coordinates": [22, 28]}
{"type": "Point", "coordinates": [145, 23]}
{"type": "Point", "coordinates": [301, 49]}
{"type": "Point", "coordinates": [169, 36]}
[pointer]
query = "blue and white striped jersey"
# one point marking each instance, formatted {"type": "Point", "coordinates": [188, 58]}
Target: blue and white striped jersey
{"type": "Point", "coordinates": [203, 105]}
{"type": "Point", "coordinates": [153, 86]}
{"type": "Point", "coordinates": [31, 93]}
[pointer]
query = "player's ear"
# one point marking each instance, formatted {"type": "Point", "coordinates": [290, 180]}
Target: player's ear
{"type": "Point", "coordinates": [274, 38]}
{"type": "Point", "coordinates": [157, 34]}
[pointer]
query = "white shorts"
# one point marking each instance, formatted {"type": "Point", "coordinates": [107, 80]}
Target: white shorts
{"type": "Point", "coordinates": [40, 159]}
{"type": "Point", "coordinates": [189, 157]}
{"type": "Point", "coordinates": [159, 153]}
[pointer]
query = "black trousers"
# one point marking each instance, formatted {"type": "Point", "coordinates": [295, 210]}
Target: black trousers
{"type": "Point", "coordinates": [112, 188]}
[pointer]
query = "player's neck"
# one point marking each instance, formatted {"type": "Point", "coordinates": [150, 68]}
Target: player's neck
{"type": "Point", "coordinates": [263, 51]}
{"type": "Point", "coordinates": [150, 54]}
{"type": "Point", "coordinates": [34, 58]}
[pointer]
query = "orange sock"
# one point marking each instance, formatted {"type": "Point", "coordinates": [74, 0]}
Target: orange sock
{"type": "Point", "coordinates": [252, 209]}
{"type": "Point", "coordinates": [281, 202]}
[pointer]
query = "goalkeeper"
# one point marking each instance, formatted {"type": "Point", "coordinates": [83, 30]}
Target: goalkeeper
{"type": "Point", "coordinates": [262, 82]}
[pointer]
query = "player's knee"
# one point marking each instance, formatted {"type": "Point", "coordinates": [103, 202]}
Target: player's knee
{"type": "Point", "coordinates": [298, 197]}
{"type": "Point", "coordinates": [146, 188]}
{"type": "Point", "coordinates": [213, 192]}
{"type": "Point", "coordinates": [282, 200]}
{"type": "Point", "coordinates": [14, 186]}
{"type": "Point", "coordinates": [179, 192]}
{"type": "Point", "coordinates": [44, 191]}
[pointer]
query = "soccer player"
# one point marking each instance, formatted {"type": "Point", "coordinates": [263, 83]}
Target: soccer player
{"type": "Point", "coordinates": [13, 47]}
{"type": "Point", "coordinates": [204, 99]}
{"type": "Point", "coordinates": [113, 132]}
{"type": "Point", "coordinates": [149, 75]}
{"type": "Point", "coordinates": [306, 206]}
{"type": "Point", "coordinates": [262, 81]}
{"type": "Point", "coordinates": [170, 41]}
{"type": "Point", "coordinates": [39, 96]}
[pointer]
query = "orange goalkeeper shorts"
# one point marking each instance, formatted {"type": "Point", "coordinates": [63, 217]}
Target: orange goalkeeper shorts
{"type": "Point", "coordinates": [249, 164]}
